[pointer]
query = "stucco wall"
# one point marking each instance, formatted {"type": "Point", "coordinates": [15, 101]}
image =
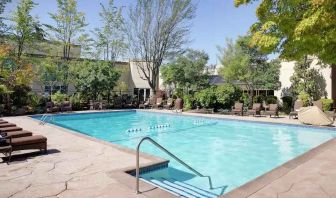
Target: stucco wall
{"type": "Point", "coordinates": [137, 75]}
{"type": "Point", "coordinates": [287, 70]}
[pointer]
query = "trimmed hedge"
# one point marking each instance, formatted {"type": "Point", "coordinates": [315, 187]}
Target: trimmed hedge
{"type": "Point", "coordinates": [327, 104]}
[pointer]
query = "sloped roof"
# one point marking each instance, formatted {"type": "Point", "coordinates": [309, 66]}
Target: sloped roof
{"type": "Point", "coordinates": [218, 80]}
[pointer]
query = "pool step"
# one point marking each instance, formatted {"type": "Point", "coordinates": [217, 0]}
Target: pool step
{"type": "Point", "coordinates": [181, 189]}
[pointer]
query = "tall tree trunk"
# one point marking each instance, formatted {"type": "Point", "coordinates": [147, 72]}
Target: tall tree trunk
{"type": "Point", "coordinates": [251, 95]}
{"type": "Point", "coordinates": [64, 51]}
{"type": "Point", "coordinates": [19, 52]}
{"type": "Point", "coordinates": [333, 83]}
{"type": "Point", "coordinates": [152, 92]}
{"type": "Point", "coordinates": [68, 51]}
{"type": "Point", "coordinates": [107, 52]}
{"type": "Point", "coordinates": [250, 90]}
{"type": "Point", "coordinates": [20, 48]}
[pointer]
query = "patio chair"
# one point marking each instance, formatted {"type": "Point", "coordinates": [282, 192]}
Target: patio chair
{"type": "Point", "coordinates": [103, 105]}
{"type": "Point", "coordinates": [256, 108]}
{"type": "Point", "coordinates": [237, 109]}
{"type": "Point", "coordinates": [91, 105]}
{"type": "Point", "coordinates": [158, 103]}
{"type": "Point", "coordinates": [297, 106]}
{"type": "Point", "coordinates": [118, 103]}
{"type": "Point", "coordinates": [23, 143]}
{"type": "Point", "coordinates": [129, 103]}
{"type": "Point", "coordinates": [331, 114]}
{"type": "Point", "coordinates": [169, 104]}
{"type": "Point", "coordinates": [51, 108]}
{"type": "Point", "coordinates": [178, 104]}
{"type": "Point", "coordinates": [66, 106]}
{"type": "Point", "coordinates": [135, 104]}
{"type": "Point", "coordinates": [273, 109]}
{"type": "Point", "coordinates": [144, 105]}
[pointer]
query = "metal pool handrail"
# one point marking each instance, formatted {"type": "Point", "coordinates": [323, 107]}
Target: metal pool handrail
{"type": "Point", "coordinates": [44, 118]}
{"type": "Point", "coordinates": [137, 171]}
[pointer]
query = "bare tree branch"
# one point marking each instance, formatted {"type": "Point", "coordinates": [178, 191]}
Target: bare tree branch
{"type": "Point", "coordinates": [157, 29]}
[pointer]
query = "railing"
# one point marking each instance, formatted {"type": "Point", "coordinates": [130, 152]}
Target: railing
{"type": "Point", "coordinates": [44, 118]}
{"type": "Point", "coordinates": [137, 173]}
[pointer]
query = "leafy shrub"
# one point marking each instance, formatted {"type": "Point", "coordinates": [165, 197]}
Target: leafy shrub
{"type": "Point", "coordinates": [3, 89]}
{"type": "Point", "coordinates": [271, 100]}
{"type": "Point", "coordinates": [20, 95]}
{"type": "Point", "coordinates": [327, 104]}
{"type": "Point", "coordinates": [259, 99]}
{"type": "Point", "coordinates": [304, 97]}
{"type": "Point", "coordinates": [76, 101]}
{"type": "Point", "coordinates": [58, 98]}
{"type": "Point", "coordinates": [34, 101]}
{"type": "Point", "coordinates": [178, 93]}
{"type": "Point", "coordinates": [227, 95]}
{"type": "Point", "coordinates": [287, 103]}
{"type": "Point", "coordinates": [244, 98]}
{"type": "Point", "coordinates": [188, 102]}
{"type": "Point", "coordinates": [206, 97]}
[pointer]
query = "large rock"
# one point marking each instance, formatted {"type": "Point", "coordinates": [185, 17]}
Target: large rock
{"type": "Point", "coordinates": [314, 116]}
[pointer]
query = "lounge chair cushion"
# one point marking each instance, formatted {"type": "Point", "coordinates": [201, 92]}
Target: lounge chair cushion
{"type": "Point", "coordinates": [8, 129]}
{"type": "Point", "coordinates": [17, 134]}
{"type": "Point", "coordinates": [3, 125]}
{"type": "Point", "coordinates": [28, 140]}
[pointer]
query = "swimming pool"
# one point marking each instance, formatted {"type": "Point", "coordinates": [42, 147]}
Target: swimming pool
{"type": "Point", "coordinates": [231, 152]}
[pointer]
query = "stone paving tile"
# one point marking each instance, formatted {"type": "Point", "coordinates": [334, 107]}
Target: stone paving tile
{"type": "Point", "coordinates": [76, 166]}
{"type": "Point", "coordinates": [315, 178]}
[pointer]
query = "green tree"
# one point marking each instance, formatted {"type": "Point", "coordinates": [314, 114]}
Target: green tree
{"type": "Point", "coordinates": [16, 78]}
{"type": "Point", "coordinates": [68, 29]}
{"type": "Point", "coordinates": [296, 29]}
{"type": "Point", "coordinates": [26, 29]}
{"type": "Point", "coordinates": [188, 72]}
{"type": "Point", "coordinates": [248, 65]}
{"type": "Point", "coordinates": [307, 80]}
{"type": "Point", "coordinates": [14, 72]}
{"type": "Point", "coordinates": [3, 26]}
{"type": "Point", "coordinates": [94, 78]}
{"type": "Point", "coordinates": [157, 30]}
{"type": "Point", "coordinates": [69, 24]}
{"type": "Point", "coordinates": [206, 97]}
{"type": "Point", "coordinates": [110, 37]}
{"type": "Point", "coordinates": [87, 45]}
{"type": "Point", "coordinates": [227, 95]}
{"type": "Point", "coordinates": [50, 73]}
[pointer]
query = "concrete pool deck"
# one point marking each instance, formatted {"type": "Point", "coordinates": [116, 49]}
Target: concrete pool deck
{"type": "Point", "coordinates": [78, 165]}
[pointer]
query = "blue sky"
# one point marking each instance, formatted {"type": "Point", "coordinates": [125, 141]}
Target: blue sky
{"type": "Point", "coordinates": [215, 20]}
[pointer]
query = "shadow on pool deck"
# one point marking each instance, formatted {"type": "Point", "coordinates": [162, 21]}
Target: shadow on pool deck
{"type": "Point", "coordinates": [18, 156]}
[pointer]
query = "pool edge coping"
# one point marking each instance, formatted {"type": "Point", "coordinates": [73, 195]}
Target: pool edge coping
{"type": "Point", "coordinates": [244, 190]}
{"type": "Point", "coordinates": [258, 183]}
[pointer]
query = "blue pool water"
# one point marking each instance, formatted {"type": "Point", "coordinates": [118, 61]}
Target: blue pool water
{"type": "Point", "coordinates": [231, 152]}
